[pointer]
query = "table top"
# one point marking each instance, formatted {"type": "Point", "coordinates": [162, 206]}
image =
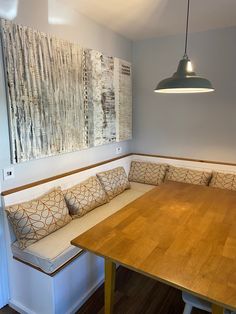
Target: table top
{"type": "Point", "coordinates": [181, 234]}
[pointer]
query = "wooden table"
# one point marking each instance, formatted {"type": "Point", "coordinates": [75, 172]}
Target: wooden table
{"type": "Point", "coordinates": [181, 234]}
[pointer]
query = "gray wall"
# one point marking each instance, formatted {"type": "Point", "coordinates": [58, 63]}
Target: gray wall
{"type": "Point", "coordinates": [87, 33]}
{"type": "Point", "coordinates": [197, 125]}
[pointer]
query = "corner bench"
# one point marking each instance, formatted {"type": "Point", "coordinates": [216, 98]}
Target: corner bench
{"type": "Point", "coordinates": [52, 276]}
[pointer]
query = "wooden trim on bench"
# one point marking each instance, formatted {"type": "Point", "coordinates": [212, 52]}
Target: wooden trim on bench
{"type": "Point", "coordinates": [32, 184]}
{"type": "Point", "coordinates": [187, 159]}
{"type": "Point", "coordinates": [57, 270]}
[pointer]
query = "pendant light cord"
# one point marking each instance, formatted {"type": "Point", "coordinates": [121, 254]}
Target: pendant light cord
{"type": "Point", "coordinates": [186, 33]}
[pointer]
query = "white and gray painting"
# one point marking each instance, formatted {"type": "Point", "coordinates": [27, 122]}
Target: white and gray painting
{"type": "Point", "coordinates": [62, 97]}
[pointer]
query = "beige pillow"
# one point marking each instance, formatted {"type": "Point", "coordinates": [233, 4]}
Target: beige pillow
{"type": "Point", "coordinates": [38, 218]}
{"type": "Point", "coordinates": [188, 175]}
{"type": "Point", "coordinates": [147, 172]}
{"type": "Point", "coordinates": [114, 181]}
{"type": "Point", "coordinates": [85, 196]}
{"type": "Point", "coordinates": [223, 181]}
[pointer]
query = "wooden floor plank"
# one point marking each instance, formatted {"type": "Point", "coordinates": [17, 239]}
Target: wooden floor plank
{"type": "Point", "coordinates": [7, 310]}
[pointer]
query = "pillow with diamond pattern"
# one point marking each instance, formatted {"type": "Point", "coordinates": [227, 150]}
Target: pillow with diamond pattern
{"type": "Point", "coordinates": [85, 196]}
{"type": "Point", "coordinates": [186, 175]}
{"type": "Point", "coordinates": [114, 181]}
{"type": "Point", "coordinates": [147, 172]}
{"type": "Point", "coordinates": [38, 218]}
{"type": "Point", "coordinates": [223, 181]}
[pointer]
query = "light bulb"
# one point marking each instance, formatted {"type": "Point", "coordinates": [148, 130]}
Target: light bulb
{"type": "Point", "coordinates": [189, 67]}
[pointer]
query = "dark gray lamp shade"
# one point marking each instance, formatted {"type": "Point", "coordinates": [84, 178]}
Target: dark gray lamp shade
{"type": "Point", "coordinates": [184, 80]}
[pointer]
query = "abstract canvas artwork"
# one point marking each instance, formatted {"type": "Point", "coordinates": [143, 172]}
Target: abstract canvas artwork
{"type": "Point", "coordinates": [62, 97]}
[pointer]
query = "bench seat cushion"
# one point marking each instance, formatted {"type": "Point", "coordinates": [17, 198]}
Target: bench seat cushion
{"type": "Point", "coordinates": [51, 252]}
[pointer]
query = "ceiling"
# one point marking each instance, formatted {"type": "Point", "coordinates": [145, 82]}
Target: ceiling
{"type": "Point", "coordinates": [139, 19]}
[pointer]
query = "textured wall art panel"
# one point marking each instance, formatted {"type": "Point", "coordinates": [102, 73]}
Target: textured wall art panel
{"type": "Point", "coordinates": [62, 97]}
{"type": "Point", "coordinates": [123, 100]}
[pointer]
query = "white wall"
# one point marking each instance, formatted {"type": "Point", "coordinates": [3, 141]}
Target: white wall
{"type": "Point", "coordinates": [191, 125]}
{"type": "Point", "coordinates": [76, 28]}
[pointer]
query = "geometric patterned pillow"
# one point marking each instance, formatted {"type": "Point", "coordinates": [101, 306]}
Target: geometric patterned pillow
{"type": "Point", "coordinates": [38, 218]}
{"type": "Point", "coordinates": [147, 172]}
{"type": "Point", "coordinates": [188, 175]}
{"type": "Point", "coordinates": [85, 196]}
{"type": "Point", "coordinates": [114, 181]}
{"type": "Point", "coordinates": [223, 181]}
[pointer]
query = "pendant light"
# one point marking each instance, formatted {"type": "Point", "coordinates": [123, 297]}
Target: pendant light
{"type": "Point", "coordinates": [184, 80]}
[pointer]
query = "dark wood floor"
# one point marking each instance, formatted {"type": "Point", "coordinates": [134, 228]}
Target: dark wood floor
{"type": "Point", "coordinates": [135, 294]}
{"type": "Point", "coordinates": [7, 310]}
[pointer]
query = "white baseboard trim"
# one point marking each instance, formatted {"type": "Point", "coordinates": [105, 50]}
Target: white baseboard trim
{"type": "Point", "coordinates": [19, 307]}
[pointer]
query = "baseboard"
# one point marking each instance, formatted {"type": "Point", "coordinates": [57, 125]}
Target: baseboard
{"type": "Point", "coordinates": [19, 307]}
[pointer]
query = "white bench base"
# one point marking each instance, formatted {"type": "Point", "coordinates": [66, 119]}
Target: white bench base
{"type": "Point", "coordinates": [63, 293]}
